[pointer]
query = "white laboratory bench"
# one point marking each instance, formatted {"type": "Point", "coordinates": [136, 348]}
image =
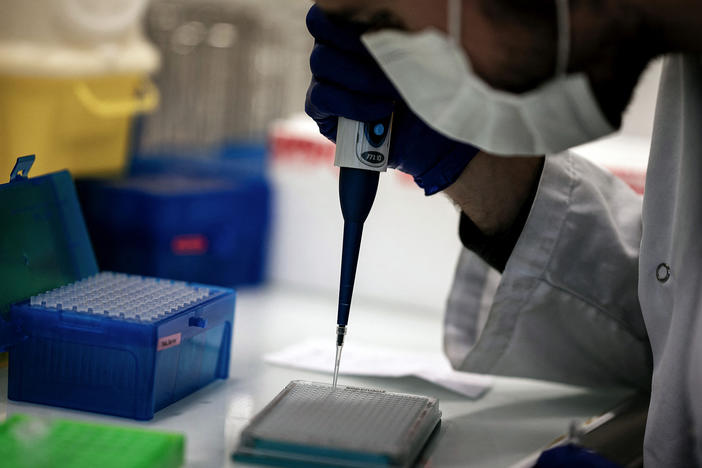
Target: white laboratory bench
{"type": "Point", "coordinates": [512, 420]}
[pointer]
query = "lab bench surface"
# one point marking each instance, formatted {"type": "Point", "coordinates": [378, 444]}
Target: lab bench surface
{"type": "Point", "coordinates": [515, 418]}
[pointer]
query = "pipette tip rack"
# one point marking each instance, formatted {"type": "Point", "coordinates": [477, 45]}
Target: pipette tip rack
{"type": "Point", "coordinates": [120, 344]}
{"type": "Point", "coordinates": [122, 296]}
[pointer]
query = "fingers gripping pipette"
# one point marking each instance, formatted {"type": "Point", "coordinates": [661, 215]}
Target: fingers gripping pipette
{"type": "Point", "coordinates": [362, 150]}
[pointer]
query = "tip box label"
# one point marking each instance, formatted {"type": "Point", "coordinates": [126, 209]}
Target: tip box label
{"type": "Point", "coordinates": [169, 341]}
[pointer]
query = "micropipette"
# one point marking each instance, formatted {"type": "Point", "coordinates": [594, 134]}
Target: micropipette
{"type": "Point", "coordinates": [362, 150]}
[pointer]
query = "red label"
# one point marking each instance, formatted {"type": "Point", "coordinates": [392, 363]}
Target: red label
{"type": "Point", "coordinates": [635, 179]}
{"type": "Point", "coordinates": [168, 341]}
{"type": "Point", "coordinates": [287, 145]}
{"type": "Point", "coordinates": [189, 244]}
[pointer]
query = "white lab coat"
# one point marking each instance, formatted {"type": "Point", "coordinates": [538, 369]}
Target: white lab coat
{"type": "Point", "coordinates": [598, 292]}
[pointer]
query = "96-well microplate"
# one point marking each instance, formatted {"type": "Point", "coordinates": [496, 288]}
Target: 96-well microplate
{"type": "Point", "coordinates": [311, 423]}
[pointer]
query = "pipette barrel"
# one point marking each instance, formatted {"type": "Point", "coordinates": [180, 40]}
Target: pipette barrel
{"type": "Point", "coordinates": [357, 189]}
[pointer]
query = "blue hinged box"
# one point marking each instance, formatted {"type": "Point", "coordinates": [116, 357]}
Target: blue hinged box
{"type": "Point", "coordinates": [181, 220]}
{"type": "Point", "coordinates": [97, 341]}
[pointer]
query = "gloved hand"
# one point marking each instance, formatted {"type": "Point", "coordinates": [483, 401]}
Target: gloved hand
{"type": "Point", "coordinates": [347, 82]}
{"type": "Point", "coordinates": [572, 456]}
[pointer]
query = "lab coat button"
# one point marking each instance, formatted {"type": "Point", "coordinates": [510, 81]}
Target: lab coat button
{"type": "Point", "coordinates": [663, 272]}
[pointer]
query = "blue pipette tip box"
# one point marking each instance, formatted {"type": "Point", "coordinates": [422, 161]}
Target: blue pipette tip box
{"type": "Point", "coordinates": [311, 424]}
{"type": "Point", "coordinates": [120, 344]}
{"type": "Point", "coordinates": [106, 342]}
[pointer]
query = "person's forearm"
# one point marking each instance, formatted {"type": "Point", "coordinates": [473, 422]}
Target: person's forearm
{"type": "Point", "coordinates": [492, 189]}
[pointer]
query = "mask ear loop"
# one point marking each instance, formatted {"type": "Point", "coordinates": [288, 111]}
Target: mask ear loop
{"type": "Point", "coordinates": [563, 45]}
{"type": "Point", "coordinates": [453, 20]}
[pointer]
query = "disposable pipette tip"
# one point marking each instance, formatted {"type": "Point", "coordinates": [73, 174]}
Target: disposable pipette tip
{"type": "Point", "coordinates": [340, 334]}
{"type": "Point", "coordinates": [336, 366]}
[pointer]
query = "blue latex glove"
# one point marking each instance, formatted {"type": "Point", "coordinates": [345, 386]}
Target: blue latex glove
{"type": "Point", "coordinates": [572, 456]}
{"type": "Point", "coordinates": [347, 82]}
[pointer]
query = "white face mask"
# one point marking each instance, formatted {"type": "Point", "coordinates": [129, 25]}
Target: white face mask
{"type": "Point", "coordinates": [434, 76]}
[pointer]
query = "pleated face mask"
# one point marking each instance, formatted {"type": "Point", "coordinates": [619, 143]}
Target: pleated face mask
{"type": "Point", "coordinates": [435, 78]}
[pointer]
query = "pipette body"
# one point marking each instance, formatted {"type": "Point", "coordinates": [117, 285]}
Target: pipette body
{"type": "Point", "coordinates": [362, 150]}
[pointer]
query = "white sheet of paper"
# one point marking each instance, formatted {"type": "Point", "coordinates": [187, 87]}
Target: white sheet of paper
{"type": "Point", "coordinates": [373, 361]}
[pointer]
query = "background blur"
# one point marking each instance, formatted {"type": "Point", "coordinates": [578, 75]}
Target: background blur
{"type": "Point", "coordinates": [182, 120]}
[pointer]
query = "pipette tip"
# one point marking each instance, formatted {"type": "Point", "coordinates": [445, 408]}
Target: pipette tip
{"type": "Point", "coordinates": [336, 366]}
{"type": "Point", "coordinates": [340, 334]}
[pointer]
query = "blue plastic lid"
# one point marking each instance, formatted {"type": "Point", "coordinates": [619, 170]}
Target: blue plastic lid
{"type": "Point", "coordinates": [44, 243]}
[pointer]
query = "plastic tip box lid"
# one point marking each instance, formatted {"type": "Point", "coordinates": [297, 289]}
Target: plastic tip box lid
{"type": "Point", "coordinates": [347, 426]}
{"type": "Point", "coordinates": [43, 241]}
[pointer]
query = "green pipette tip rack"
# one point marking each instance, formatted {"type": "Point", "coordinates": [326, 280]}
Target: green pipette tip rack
{"type": "Point", "coordinates": [32, 442]}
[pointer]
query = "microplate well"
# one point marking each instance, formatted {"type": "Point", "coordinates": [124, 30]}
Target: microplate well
{"type": "Point", "coordinates": [347, 426]}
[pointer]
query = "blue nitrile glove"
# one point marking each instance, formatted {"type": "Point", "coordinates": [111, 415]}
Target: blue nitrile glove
{"type": "Point", "coordinates": [346, 81]}
{"type": "Point", "coordinates": [572, 456]}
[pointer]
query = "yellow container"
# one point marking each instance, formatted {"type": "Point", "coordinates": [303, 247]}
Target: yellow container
{"type": "Point", "coordinates": [80, 124]}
